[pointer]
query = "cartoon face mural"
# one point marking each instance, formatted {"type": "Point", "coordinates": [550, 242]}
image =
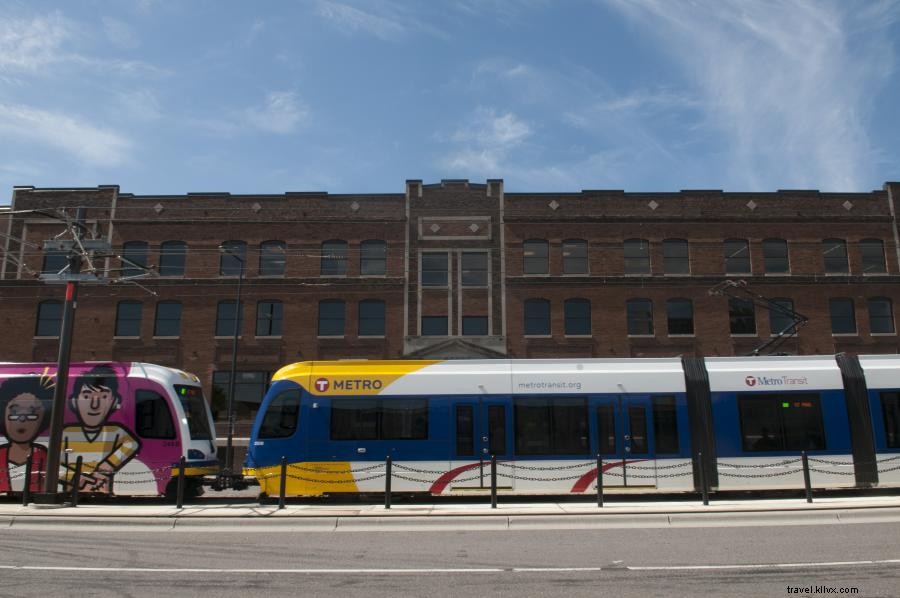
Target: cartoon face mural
{"type": "Point", "coordinates": [104, 446]}
{"type": "Point", "coordinates": [24, 405]}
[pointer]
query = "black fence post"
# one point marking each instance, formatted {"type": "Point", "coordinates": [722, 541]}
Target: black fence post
{"type": "Point", "coordinates": [76, 480]}
{"type": "Point", "coordinates": [493, 481]}
{"type": "Point", "coordinates": [806, 480]}
{"type": "Point", "coordinates": [282, 483]}
{"type": "Point", "coordinates": [387, 482]}
{"type": "Point", "coordinates": [704, 489]}
{"type": "Point", "coordinates": [599, 481]}
{"type": "Point", "coordinates": [26, 490]}
{"type": "Point", "coordinates": [179, 497]}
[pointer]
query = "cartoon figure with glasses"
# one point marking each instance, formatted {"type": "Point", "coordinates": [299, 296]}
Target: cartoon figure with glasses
{"type": "Point", "coordinates": [103, 445]}
{"type": "Point", "coordinates": [23, 406]}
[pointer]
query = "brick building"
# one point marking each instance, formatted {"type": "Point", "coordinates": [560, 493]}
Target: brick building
{"type": "Point", "coordinates": [450, 270]}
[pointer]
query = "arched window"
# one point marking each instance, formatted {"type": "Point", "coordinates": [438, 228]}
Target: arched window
{"type": "Point", "coordinates": [782, 320]}
{"type": "Point", "coordinates": [637, 256]}
{"type": "Point", "coordinates": [269, 316]}
{"type": "Point", "coordinates": [334, 258]}
{"type": "Point", "coordinates": [49, 318]}
{"type": "Point", "coordinates": [331, 317]}
{"type": "Point", "coordinates": [168, 319]}
{"type": "Point", "coordinates": [741, 316]}
{"type": "Point", "coordinates": [233, 259]}
{"type": "Point", "coordinates": [128, 318]}
{"type": "Point", "coordinates": [775, 256]}
{"type": "Point", "coordinates": [680, 316]}
{"type": "Point", "coordinates": [676, 259]}
{"type": "Point", "coordinates": [575, 256]}
{"type": "Point", "coordinates": [272, 258]}
{"type": "Point", "coordinates": [640, 317]}
{"type": "Point", "coordinates": [737, 256]}
{"type": "Point", "coordinates": [134, 258]}
{"type": "Point", "coordinates": [536, 258]}
{"type": "Point", "coordinates": [225, 318]}
{"type": "Point", "coordinates": [843, 315]}
{"type": "Point", "coordinates": [577, 317]}
{"type": "Point", "coordinates": [881, 315]}
{"type": "Point", "coordinates": [373, 258]}
{"type": "Point", "coordinates": [872, 251]}
{"type": "Point", "coordinates": [834, 253]}
{"type": "Point", "coordinates": [54, 261]}
{"type": "Point", "coordinates": [537, 317]}
{"type": "Point", "coordinates": [171, 258]}
{"type": "Point", "coordinates": [371, 317]}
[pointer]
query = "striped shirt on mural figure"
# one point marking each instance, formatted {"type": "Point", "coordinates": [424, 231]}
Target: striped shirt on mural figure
{"type": "Point", "coordinates": [104, 446]}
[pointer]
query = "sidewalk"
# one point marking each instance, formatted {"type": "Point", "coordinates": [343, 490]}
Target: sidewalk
{"type": "Point", "coordinates": [559, 515]}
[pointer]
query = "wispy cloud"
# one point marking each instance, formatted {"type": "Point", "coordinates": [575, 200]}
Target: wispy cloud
{"type": "Point", "coordinates": [281, 113]}
{"type": "Point", "coordinates": [31, 44]}
{"type": "Point", "coordinates": [80, 139]}
{"type": "Point", "coordinates": [486, 142]}
{"type": "Point", "coordinates": [353, 20]}
{"type": "Point", "coordinates": [788, 84]}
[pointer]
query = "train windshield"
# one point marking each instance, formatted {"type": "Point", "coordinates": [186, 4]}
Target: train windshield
{"type": "Point", "coordinates": [195, 411]}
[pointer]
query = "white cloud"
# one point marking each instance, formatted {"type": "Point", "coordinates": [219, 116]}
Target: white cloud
{"type": "Point", "coordinates": [281, 113]}
{"type": "Point", "coordinates": [30, 44]}
{"type": "Point", "coordinates": [353, 20]}
{"type": "Point", "coordinates": [786, 83]}
{"type": "Point", "coordinates": [488, 141]}
{"type": "Point", "coordinates": [89, 143]}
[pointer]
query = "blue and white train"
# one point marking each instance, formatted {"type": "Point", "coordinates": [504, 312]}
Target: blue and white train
{"type": "Point", "coordinates": [547, 420]}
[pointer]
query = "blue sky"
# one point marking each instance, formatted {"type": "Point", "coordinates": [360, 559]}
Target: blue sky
{"type": "Point", "coordinates": [356, 96]}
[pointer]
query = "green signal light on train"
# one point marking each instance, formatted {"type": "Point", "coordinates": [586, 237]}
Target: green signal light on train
{"type": "Point", "coordinates": [785, 405]}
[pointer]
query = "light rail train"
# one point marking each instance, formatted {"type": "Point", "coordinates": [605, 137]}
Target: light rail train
{"type": "Point", "coordinates": [657, 424]}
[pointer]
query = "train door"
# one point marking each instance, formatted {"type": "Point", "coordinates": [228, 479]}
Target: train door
{"type": "Point", "coordinates": [625, 440]}
{"type": "Point", "coordinates": [481, 429]}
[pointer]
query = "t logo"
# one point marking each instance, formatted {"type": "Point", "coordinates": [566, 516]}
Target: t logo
{"type": "Point", "coordinates": [750, 381]}
{"type": "Point", "coordinates": [322, 385]}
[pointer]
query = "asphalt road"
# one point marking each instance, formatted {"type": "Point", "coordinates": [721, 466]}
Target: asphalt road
{"type": "Point", "coordinates": [720, 561]}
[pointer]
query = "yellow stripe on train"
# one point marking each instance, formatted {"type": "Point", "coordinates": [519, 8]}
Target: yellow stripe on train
{"type": "Point", "coordinates": [307, 478]}
{"type": "Point", "coordinates": [334, 378]}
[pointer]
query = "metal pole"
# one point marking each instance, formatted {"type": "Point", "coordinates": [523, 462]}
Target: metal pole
{"type": "Point", "coordinates": [26, 490]}
{"type": "Point", "coordinates": [54, 448]}
{"type": "Point", "coordinates": [229, 448]}
{"type": "Point", "coordinates": [179, 495]}
{"type": "Point", "coordinates": [387, 482]}
{"type": "Point", "coordinates": [282, 483]}
{"type": "Point", "coordinates": [599, 481]}
{"type": "Point", "coordinates": [704, 491]}
{"type": "Point", "coordinates": [806, 480]}
{"type": "Point", "coordinates": [493, 481]}
{"type": "Point", "coordinates": [76, 480]}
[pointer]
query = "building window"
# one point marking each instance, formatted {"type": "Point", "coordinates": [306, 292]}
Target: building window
{"type": "Point", "coordinates": [551, 426]}
{"type": "Point", "coordinates": [232, 258]}
{"type": "Point", "coordinates": [171, 258]}
{"type": "Point", "coordinates": [475, 325]}
{"type": "Point", "coordinates": [168, 319]}
{"type": "Point", "coordinates": [474, 269]}
{"type": "Point", "coordinates": [676, 258]}
{"type": "Point", "coordinates": [637, 256]}
{"type": "Point", "coordinates": [272, 258]}
{"type": "Point", "coordinates": [128, 318]}
{"type": "Point", "coordinates": [680, 316]}
{"type": "Point", "coordinates": [49, 318]}
{"type": "Point", "coordinates": [536, 258]}
{"type": "Point", "coordinates": [575, 256]}
{"type": "Point", "coordinates": [331, 317]}
{"type": "Point", "coordinates": [640, 317]}
{"type": "Point", "coordinates": [737, 256]}
{"type": "Point", "coordinates": [741, 316]}
{"type": "Point", "coordinates": [434, 325]}
{"type": "Point", "coordinates": [334, 258]}
{"type": "Point", "coordinates": [54, 261]}
{"type": "Point", "coordinates": [873, 256]}
{"type": "Point", "coordinates": [577, 317]}
{"type": "Point", "coordinates": [371, 317]}
{"type": "Point", "coordinates": [225, 314]}
{"type": "Point", "coordinates": [373, 258]}
{"type": "Point", "coordinates": [834, 252]}
{"type": "Point", "coordinates": [775, 256]}
{"type": "Point", "coordinates": [843, 316]}
{"type": "Point", "coordinates": [134, 258]}
{"type": "Point", "coordinates": [537, 317]}
{"type": "Point", "coordinates": [786, 422]}
{"type": "Point", "coordinates": [269, 316]}
{"type": "Point", "coordinates": [781, 318]}
{"type": "Point", "coordinates": [881, 315]}
{"type": "Point", "coordinates": [249, 389]}
{"type": "Point", "coordinates": [434, 269]}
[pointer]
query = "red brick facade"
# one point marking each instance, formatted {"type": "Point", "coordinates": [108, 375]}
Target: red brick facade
{"type": "Point", "coordinates": [452, 219]}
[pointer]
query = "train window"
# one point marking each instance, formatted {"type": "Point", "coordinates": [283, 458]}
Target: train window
{"type": "Point", "coordinates": [790, 422]}
{"type": "Point", "coordinates": [280, 420]}
{"type": "Point", "coordinates": [153, 419]}
{"type": "Point", "coordinates": [637, 424]}
{"type": "Point", "coordinates": [890, 409]}
{"type": "Point", "coordinates": [404, 419]}
{"type": "Point", "coordinates": [606, 426]}
{"type": "Point", "coordinates": [665, 425]}
{"type": "Point", "coordinates": [465, 430]}
{"type": "Point", "coordinates": [556, 426]}
{"type": "Point", "coordinates": [194, 406]}
{"type": "Point", "coordinates": [497, 429]}
{"type": "Point", "coordinates": [354, 419]}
